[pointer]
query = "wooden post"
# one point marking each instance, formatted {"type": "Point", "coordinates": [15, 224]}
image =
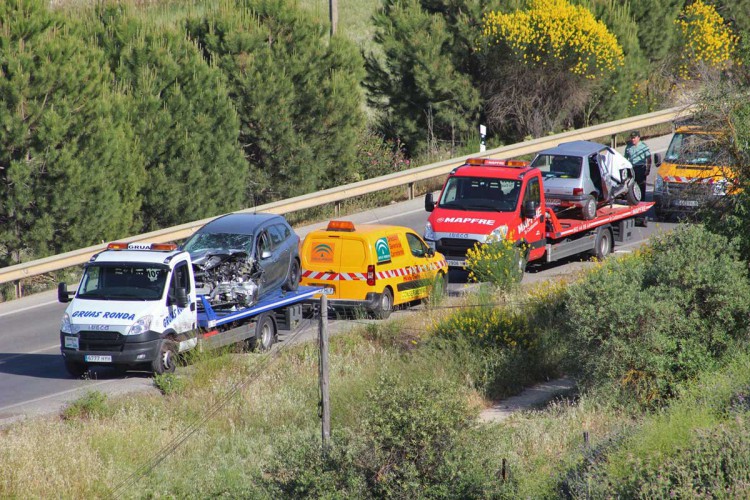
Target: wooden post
{"type": "Point", "coordinates": [333, 14]}
{"type": "Point", "coordinates": [325, 402]}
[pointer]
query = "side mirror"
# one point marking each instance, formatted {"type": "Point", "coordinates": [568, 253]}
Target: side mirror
{"type": "Point", "coordinates": [181, 299]}
{"type": "Point", "coordinates": [430, 252]}
{"type": "Point", "coordinates": [429, 202]}
{"type": "Point", "coordinates": [529, 209]}
{"type": "Point", "coordinates": [63, 295]}
{"type": "Point", "coordinates": [657, 159]}
{"type": "Point", "coordinates": [265, 254]}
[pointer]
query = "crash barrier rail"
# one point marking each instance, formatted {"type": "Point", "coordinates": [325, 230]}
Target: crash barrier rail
{"type": "Point", "coordinates": [336, 195]}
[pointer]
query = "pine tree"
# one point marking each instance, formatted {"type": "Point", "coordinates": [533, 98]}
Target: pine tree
{"type": "Point", "coordinates": [422, 95]}
{"type": "Point", "coordinates": [657, 32]}
{"type": "Point", "coordinates": [69, 173]}
{"type": "Point", "coordinates": [297, 94]}
{"type": "Point", "coordinates": [186, 123]}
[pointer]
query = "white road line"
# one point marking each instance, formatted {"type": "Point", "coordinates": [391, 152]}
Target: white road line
{"type": "Point", "coordinates": [57, 394]}
{"type": "Point", "coordinates": [394, 216]}
{"type": "Point", "coordinates": [28, 308]}
{"type": "Point", "coordinates": [5, 360]}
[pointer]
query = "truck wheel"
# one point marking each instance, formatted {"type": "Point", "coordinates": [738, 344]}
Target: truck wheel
{"type": "Point", "coordinates": [634, 194]}
{"type": "Point", "coordinates": [265, 333]}
{"type": "Point", "coordinates": [165, 362]}
{"type": "Point", "coordinates": [385, 305]}
{"type": "Point", "coordinates": [603, 244]}
{"type": "Point", "coordinates": [292, 280]}
{"type": "Point", "coordinates": [588, 209]}
{"type": "Point", "coordinates": [76, 369]}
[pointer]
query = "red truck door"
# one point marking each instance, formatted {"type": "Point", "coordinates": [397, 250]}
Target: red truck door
{"type": "Point", "coordinates": [531, 230]}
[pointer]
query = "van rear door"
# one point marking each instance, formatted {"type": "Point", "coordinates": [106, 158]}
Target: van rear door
{"type": "Point", "coordinates": [353, 269]}
{"type": "Point", "coordinates": [323, 260]}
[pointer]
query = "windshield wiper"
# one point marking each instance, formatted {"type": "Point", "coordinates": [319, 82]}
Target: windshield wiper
{"type": "Point", "coordinates": [488, 207]}
{"type": "Point", "coordinates": [93, 295]}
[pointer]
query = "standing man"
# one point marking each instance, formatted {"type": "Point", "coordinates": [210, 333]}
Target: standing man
{"type": "Point", "coordinates": [639, 155]}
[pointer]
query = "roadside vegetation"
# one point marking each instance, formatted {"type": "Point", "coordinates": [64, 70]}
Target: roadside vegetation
{"type": "Point", "coordinates": [405, 395]}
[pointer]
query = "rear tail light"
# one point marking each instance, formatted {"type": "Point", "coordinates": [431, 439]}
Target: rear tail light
{"type": "Point", "coordinates": [371, 275]}
{"type": "Point", "coordinates": [577, 191]}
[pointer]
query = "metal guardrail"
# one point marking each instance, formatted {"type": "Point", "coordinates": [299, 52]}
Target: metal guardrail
{"type": "Point", "coordinates": [337, 194]}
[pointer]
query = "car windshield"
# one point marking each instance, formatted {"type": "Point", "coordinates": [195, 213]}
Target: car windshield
{"type": "Point", "coordinates": [123, 282]}
{"type": "Point", "coordinates": [558, 166]}
{"type": "Point", "coordinates": [692, 149]}
{"type": "Point", "coordinates": [219, 241]}
{"type": "Point", "coordinates": [483, 194]}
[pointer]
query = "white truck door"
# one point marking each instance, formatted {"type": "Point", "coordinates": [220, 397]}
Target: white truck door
{"type": "Point", "coordinates": [181, 319]}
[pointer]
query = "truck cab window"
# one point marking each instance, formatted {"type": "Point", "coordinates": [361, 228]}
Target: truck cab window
{"type": "Point", "coordinates": [533, 191]}
{"type": "Point", "coordinates": [180, 279]}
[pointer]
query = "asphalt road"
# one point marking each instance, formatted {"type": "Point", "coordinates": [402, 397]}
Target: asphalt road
{"type": "Point", "coordinates": [34, 381]}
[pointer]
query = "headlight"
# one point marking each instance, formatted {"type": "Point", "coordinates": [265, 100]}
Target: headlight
{"type": "Point", "coordinates": [142, 325]}
{"type": "Point", "coordinates": [65, 324]}
{"type": "Point", "coordinates": [429, 234]}
{"type": "Point", "coordinates": [659, 185]}
{"type": "Point", "coordinates": [499, 233]}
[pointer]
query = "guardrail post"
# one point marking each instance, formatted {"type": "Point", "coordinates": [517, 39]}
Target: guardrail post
{"type": "Point", "coordinates": [410, 190]}
{"type": "Point", "coordinates": [613, 141]}
{"type": "Point", "coordinates": [337, 209]}
{"type": "Point", "coordinates": [18, 289]}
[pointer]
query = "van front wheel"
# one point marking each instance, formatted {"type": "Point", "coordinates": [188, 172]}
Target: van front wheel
{"type": "Point", "coordinates": [385, 305]}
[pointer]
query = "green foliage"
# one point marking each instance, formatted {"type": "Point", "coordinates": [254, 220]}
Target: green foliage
{"type": "Point", "coordinates": [92, 405]}
{"type": "Point", "coordinates": [422, 95]}
{"type": "Point", "coordinates": [70, 170]}
{"type": "Point", "coordinates": [297, 93]}
{"type": "Point", "coordinates": [642, 325]}
{"type": "Point", "coordinates": [499, 262]}
{"type": "Point", "coordinates": [657, 31]}
{"type": "Point", "coordinates": [488, 325]}
{"type": "Point", "coordinates": [409, 444]}
{"type": "Point", "coordinates": [169, 383]}
{"type": "Point", "coordinates": [184, 118]}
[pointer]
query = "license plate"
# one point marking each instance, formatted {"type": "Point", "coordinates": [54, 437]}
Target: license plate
{"type": "Point", "coordinates": [98, 359]}
{"type": "Point", "coordinates": [686, 203]}
{"type": "Point", "coordinates": [553, 201]}
{"type": "Point", "coordinates": [328, 290]}
{"type": "Point", "coordinates": [456, 263]}
{"type": "Point", "coordinates": [71, 342]}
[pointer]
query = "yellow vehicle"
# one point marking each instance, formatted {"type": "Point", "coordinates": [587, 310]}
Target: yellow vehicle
{"type": "Point", "coordinates": [372, 267]}
{"type": "Point", "coordinates": [693, 173]}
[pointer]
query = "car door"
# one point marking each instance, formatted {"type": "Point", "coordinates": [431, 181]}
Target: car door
{"type": "Point", "coordinates": [423, 275]}
{"type": "Point", "coordinates": [267, 260]}
{"type": "Point", "coordinates": [531, 231]}
{"type": "Point", "coordinates": [282, 249]}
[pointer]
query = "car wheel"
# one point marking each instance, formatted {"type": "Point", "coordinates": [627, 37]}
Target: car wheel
{"type": "Point", "coordinates": [165, 361]}
{"type": "Point", "coordinates": [603, 244]}
{"type": "Point", "coordinates": [292, 279]}
{"type": "Point", "coordinates": [385, 305]}
{"type": "Point", "coordinates": [634, 194]}
{"type": "Point", "coordinates": [76, 369]}
{"type": "Point", "coordinates": [265, 334]}
{"type": "Point", "coordinates": [588, 209]}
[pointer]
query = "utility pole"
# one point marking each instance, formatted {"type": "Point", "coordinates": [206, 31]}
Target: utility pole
{"type": "Point", "coordinates": [325, 402]}
{"type": "Point", "coordinates": [333, 14]}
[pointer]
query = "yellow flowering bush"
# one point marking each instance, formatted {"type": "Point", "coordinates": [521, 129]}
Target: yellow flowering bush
{"type": "Point", "coordinates": [497, 262]}
{"type": "Point", "coordinates": [556, 31]}
{"type": "Point", "coordinates": [487, 325]}
{"type": "Point", "coordinates": [706, 37]}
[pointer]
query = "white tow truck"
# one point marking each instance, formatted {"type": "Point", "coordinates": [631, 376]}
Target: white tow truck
{"type": "Point", "coordinates": [137, 307]}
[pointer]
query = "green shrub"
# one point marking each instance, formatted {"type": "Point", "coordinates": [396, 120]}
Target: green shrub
{"type": "Point", "coordinates": [499, 262]}
{"type": "Point", "coordinates": [92, 405]}
{"type": "Point", "coordinates": [407, 446]}
{"type": "Point", "coordinates": [645, 323]}
{"type": "Point", "coordinates": [488, 325]}
{"type": "Point", "coordinates": [169, 383]}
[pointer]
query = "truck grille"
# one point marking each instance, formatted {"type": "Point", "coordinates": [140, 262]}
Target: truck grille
{"type": "Point", "coordinates": [688, 189]}
{"type": "Point", "coordinates": [100, 341]}
{"type": "Point", "coordinates": [454, 247]}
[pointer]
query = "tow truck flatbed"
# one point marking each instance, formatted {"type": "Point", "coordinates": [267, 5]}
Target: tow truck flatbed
{"type": "Point", "coordinates": [210, 318]}
{"type": "Point", "coordinates": [564, 227]}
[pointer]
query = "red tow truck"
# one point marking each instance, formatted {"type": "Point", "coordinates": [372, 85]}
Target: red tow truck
{"type": "Point", "coordinates": [489, 198]}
